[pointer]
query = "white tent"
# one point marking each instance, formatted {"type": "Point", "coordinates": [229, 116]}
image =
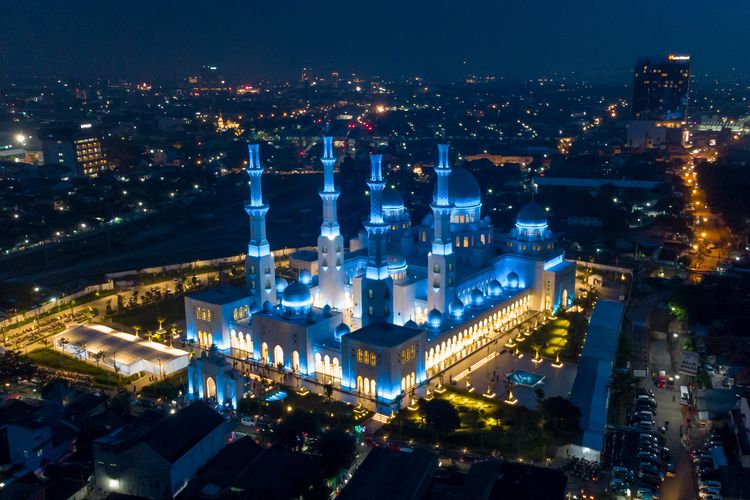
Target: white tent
{"type": "Point", "coordinates": [131, 354]}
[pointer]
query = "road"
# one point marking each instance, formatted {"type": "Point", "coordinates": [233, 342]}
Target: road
{"type": "Point", "coordinates": [669, 409]}
{"type": "Point", "coordinates": [712, 240]}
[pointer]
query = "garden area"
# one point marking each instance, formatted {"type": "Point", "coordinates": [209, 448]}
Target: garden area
{"type": "Point", "coordinates": [459, 419]}
{"type": "Point", "coordinates": [146, 317]}
{"type": "Point", "coordinates": [53, 360]}
{"type": "Point", "coordinates": [168, 388]}
{"type": "Point", "coordinates": [564, 336]}
{"type": "Point", "coordinates": [331, 413]}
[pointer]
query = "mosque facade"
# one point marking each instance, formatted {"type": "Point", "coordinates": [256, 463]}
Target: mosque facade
{"type": "Point", "coordinates": [380, 316]}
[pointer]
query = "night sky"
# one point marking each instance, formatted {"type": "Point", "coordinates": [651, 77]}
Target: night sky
{"type": "Point", "coordinates": [253, 39]}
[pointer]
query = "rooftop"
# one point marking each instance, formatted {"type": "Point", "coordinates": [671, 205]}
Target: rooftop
{"type": "Point", "coordinates": [383, 334]}
{"type": "Point", "coordinates": [223, 294]}
{"type": "Point", "coordinates": [128, 348]}
{"type": "Point", "coordinates": [390, 474]}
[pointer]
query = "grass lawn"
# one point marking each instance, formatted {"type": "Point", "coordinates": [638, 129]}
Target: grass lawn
{"type": "Point", "coordinates": [57, 361]}
{"type": "Point", "coordinates": [333, 413]}
{"type": "Point", "coordinates": [563, 335]}
{"type": "Point", "coordinates": [486, 425]}
{"type": "Point", "coordinates": [171, 309]}
{"type": "Point", "coordinates": [169, 388]}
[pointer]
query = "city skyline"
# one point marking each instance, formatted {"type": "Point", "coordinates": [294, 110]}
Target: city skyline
{"type": "Point", "coordinates": [513, 41]}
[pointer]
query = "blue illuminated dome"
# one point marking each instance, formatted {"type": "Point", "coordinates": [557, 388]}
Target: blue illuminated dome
{"type": "Point", "coordinates": [411, 324]}
{"type": "Point", "coordinates": [327, 311]}
{"type": "Point", "coordinates": [494, 289]}
{"type": "Point", "coordinates": [456, 308]}
{"type": "Point", "coordinates": [296, 300]}
{"type": "Point", "coordinates": [512, 279]}
{"type": "Point", "coordinates": [305, 276]}
{"type": "Point", "coordinates": [532, 215]}
{"type": "Point", "coordinates": [477, 297]}
{"type": "Point", "coordinates": [435, 318]}
{"type": "Point", "coordinates": [463, 189]}
{"type": "Point", "coordinates": [396, 261]}
{"type": "Point", "coordinates": [267, 306]}
{"type": "Point", "coordinates": [340, 331]}
{"type": "Point", "coordinates": [281, 284]}
{"type": "Point", "coordinates": [392, 200]}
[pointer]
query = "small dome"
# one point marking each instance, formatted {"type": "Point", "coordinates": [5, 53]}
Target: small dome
{"type": "Point", "coordinates": [477, 297]}
{"type": "Point", "coordinates": [267, 306]}
{"type": "Point", "coordinates": [305, 276]}
{"type": "Point", "coordinates": [463, 189]}
{"type": "Point", "coordinates": [296, 299]}
{"type": "Point", "coordinates": [411, 324]}
{"type": "Point", "coordinates": [281, 284]}
{"type": "Point", "coordinates": [456, 308]}
{"type": "Point", "coordinates": [435, 318]}
{"type": "Point", "coordinates": [327, 311]}
{"type": "Point", "coordinates": [340, 331]}
{"type": "Point", "coordinates": [512, 279]}
{"type": "Point", "coordinates": [392, 199]}
{"type": "Point", "coordinates": [494, 289]}
{"type": "Point", "coordinates": [396, 260]}
{"type": "Point", "coordinates": [532, 215]}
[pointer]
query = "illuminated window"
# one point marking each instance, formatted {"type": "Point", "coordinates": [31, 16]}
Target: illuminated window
{"type": "Point", "coordinates": [367, 358]}
{"type": "Point", "coordinates": [359, 355]}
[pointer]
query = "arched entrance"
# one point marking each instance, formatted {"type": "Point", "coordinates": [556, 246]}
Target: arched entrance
{"type": "Point", "coordinates": [278, 355]}
{"type": "Point", "coordinates": [565, 298]}
{"type": "Point", "coordinates": [295, 361]}
{"type": "Point", "coordinates": [210, 388]}
{"type": "Point", "coordinates": [264, 352]}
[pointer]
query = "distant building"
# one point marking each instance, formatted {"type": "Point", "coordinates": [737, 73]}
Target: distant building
{"type": "Point", "coordinates": [157, 455]}
{"type": "Point", "coordinates": [79, 150]}
{"type": "Point", "coordinates": [661, 89]}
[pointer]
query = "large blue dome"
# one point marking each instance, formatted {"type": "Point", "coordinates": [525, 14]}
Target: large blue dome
{"type": "Point", "coordinates": [463, 189]}
{"type": "Point", "coordinates": [392, 199]}
{"type": "Point", "coordinates": [296, 299]}
{"type": "Point", "coordinates": [532, 215]}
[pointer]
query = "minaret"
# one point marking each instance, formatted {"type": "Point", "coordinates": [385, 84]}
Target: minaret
{"type": "Point", "coordinates": [377, 286]}
{"type": "Point", "coordinates": [331, 276]}
{"type": "Point", "coordinates": [441, 261]}
{"type": "Point", "coordinates": [259, 268]}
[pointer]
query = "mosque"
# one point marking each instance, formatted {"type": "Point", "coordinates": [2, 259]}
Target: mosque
{"type": "Point", "coordinates": [377, 317]}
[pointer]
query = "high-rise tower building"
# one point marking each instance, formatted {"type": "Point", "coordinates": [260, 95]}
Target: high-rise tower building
{"type": "Point", "coordinates": [259, 265]}
{"type": "Point", "coordinates": [331, 274]}
{"type": "Point", "coordinates": [661, 89]}
{"type": "Point", "coordinates": [441, 262]}
{"type": "Point", "coordinates": [377, 286]}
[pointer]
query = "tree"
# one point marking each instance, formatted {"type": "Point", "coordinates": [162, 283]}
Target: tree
{"type": "Point", "coordinates": [328, 388]}
{"type": "Point", "coordinates": [440, 415]}
{"type": "Point", "coordinates": [562, 419]}
{"type": "Point", "coordinates": [62, 342]}
{"type": "Point", "coordinates": [14, 365]}
{"type": "Point", "coordinates": [337, 451]}
{"type": "Point", "coordinates": [291, 431]}
{"type": "Point", "coordinates": [99, 356]}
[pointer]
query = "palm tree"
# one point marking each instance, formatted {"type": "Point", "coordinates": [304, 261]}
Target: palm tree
{"type": "Point", "coordinates": [99, 356]}
{"type": "Point", "coordinates": [136, 329]}
{"type": "Point", "coordinates": [62, 342]}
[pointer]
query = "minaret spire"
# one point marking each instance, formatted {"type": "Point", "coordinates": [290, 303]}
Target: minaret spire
{"type": "Point", "coordinates": [259, 265]}
{"type": "Point", "coordinates": [377, 287]}
{"type": "Point", "coordinates": [441, 261]}
{"type": "Point", "coordinates": [331, 276]}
